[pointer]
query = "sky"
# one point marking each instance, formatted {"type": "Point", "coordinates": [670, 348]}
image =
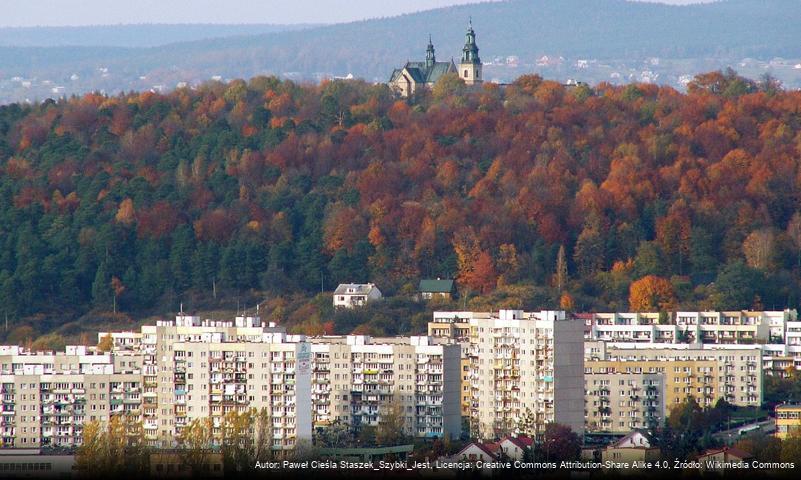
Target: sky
{"type": "Point", "coordinates": [28, 13]}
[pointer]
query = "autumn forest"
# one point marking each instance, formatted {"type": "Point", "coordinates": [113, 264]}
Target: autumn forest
{"type": "Point", "coordinates": [533, 195]}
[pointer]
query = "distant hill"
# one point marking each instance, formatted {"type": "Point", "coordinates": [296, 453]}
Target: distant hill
{"type": "Point", "coordinates": [270, 189]}
{"type": "Point", "coordinates": [150, 35]}
{"type": "Point", "coordinates": [605, 30]}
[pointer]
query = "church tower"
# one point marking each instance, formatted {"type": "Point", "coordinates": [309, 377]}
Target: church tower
{"type": "Point", "coordinates": [431, 59]}
{"type": "Point", "coordinates": [470, 66]}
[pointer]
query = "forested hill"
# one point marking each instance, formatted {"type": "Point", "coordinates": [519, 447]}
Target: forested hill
{"type": "Point", "coordinates": [601, 29]}
{"type": "Point", "coordinates": [271, 186]}
{"type": "Point", "coordinates": [137, 35]}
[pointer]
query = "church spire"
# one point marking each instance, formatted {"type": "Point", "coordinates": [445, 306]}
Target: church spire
{"type": "Point", "coordinates": [470, 50]}
{"type": "Point", "coordinates": [470, 67]}
{"type": "Point", "coordinates": [431, 58]}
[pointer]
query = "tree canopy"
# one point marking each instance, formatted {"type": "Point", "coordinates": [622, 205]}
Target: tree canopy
{"type": "Point", "coordinates": [141, 200]}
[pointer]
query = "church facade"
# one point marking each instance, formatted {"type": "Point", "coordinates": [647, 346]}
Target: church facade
{"type": "Point", "coordinates": [407, 80]}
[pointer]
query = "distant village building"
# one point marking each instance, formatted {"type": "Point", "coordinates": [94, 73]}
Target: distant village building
{"type": "Point", "coordinates": [350, 295]}
{"type": "Point", "coordinates": [407, 80]}
{"type": "Point", "coordinates": [475, 452]}
{"type": "Point", "coordinates": [438, 288]}
{"type": "Point", "coordinates": [721, 459]}
{"type": "Point", "coordinates": [637, 446]}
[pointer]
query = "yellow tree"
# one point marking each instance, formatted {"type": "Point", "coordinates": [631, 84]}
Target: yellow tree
{"type": "Point", "coordinates": [194, 444]}
{"type": "Point", "coordinates": [263, 434]}
{"type": "Point", "coordinates": [116, 443]}
{"type": "Point", "coordinates": [105, 344]}
{"type": "Point", "coordinates": [651, 293]}
{"type": "Point", "coordinates": [125, 213]}
{"type": "Point", "coordinates": [508, 264]}
{"type": "Point", "coordinates": [239, 440]}
{"type": "Point", "coordinates": [90, 455]}
{"type": "Point", "coordinates": [113, 448]}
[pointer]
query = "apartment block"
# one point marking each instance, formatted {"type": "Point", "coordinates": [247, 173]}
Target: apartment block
{"type": "Point", "coordinates": [707, 372]}
{"type": "Point", "coordinates": [357, 378]}
{"type": "Point", "coordinates": [48, 397]}
{"type": "Point", "coordinates": [621, 402]}
{"type": "Point", "coordinates": [783, 358]}
{"type": "Point", "coordinates": [205, 369]}
{"type": "Point", "coordinates": [522, 364]}
{"type": "Point", "coordinates": [723, 328]}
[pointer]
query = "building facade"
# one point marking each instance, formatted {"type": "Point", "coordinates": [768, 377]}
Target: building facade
{"type": "Point", "coordinates": [706, 372]}
{"type": "Point", "coordinates": [523, 365]}
{"type": "Point", "coordinates": [357, 378]}
{"type": "Point", "coordinates": [48, 397]}
{"type": "Point", "coordinates": [718, 328]}
{"type": "Point", "coordinates": [195, 369]}
{"type": "Point", "coordinates": [788, 420]}
{"type": "Point", "coordinates": [622, 402]}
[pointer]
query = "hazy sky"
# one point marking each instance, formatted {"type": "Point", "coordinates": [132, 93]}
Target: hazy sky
{"type": "Point", "coordinates": [21, 13]}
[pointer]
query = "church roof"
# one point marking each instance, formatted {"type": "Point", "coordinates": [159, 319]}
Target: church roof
{"type": "Point", "coordinates": [421, 73]}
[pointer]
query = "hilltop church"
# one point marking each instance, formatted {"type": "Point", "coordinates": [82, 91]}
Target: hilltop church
{"type": "Point", "coordinates": [414, 75]}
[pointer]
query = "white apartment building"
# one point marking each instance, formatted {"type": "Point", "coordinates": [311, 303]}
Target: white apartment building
{"type": "Point", "coordinates": [197, 369]}
{"type": "Point", "coordinates": [723, 328]}
{"type": "Point", "coordinates": [200, 369]}
{"type": "Point", "coordinates": [776, 333]}
{"type": "Point", "coordinates": [782, 358]}
{"type": "Point", "coordinates": [48, 397]}
{"type": "Point", "coordinates": [356, 378]}
{"type": "Point", "coordinates": [522, 364]}
{"type": "Point", "coordinates": [350, 295]}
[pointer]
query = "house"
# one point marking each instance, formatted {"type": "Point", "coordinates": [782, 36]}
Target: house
{"type": "Point", "coordinates": [720, 459]}
{"type": "Point", "coordinates": [413, 76]}
{"type": "Point", "coordinates": [350, 295]}
{"type": "Point", "coordinates": [637, 446]}
{"type": "Point", "coordinates": [475, 452]}
{"type": "Point", "coordinates": [438, 288]}
{"type": "Point", "coordinates": [515, 447]}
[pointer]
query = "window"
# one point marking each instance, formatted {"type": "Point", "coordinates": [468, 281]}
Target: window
{"type": "Point", "coordinates": [465, 74]}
